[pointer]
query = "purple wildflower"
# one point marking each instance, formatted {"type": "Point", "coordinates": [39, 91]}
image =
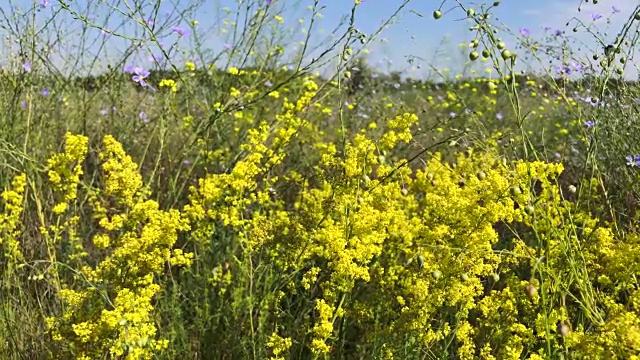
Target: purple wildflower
{"type": "Point", "coordinates": [24, 104]}
{"type": "Point", "coordinates": [140, 76]}
{"type": "Point", "coordinates": [593, 101]}
{"type": "Point", "coordinates": [633, 160]}
{"type": "Point", "coordinates": [499, 116]}
{"type": "Point", "coordinates": [589, 123]}
{"type": "Point", "coordinates": [104, 112]}
{"type": "Point", "coordinates": [45, 92]}
{"type": "Point", "coordinates": [180, 31]}
{"type": "Point", "coordinates": [614, 9]}
{"type": "Point", "coordinates": [563, 70]}
{"type": "Point", "coordinates": [26, 66]}
{"type": "Point", "coordinates": [595, 16]}
{"type": "Point", "coordinates": [577, 66]}
{"type": "Point", "coordinates": [525, 32]}
{"type": "Point", "coordinates": [45, 3]}
{"type": "Point", "coordinates": [143, 116]}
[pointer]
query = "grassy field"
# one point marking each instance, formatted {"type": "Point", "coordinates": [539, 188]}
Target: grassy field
{"type": "Point", "coordinates": [265, 209]}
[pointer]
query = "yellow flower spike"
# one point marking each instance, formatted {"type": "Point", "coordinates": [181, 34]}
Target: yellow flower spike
{"type": "Point", "coordinates": [274, 94]}
{"type": "Point", "coordinates": [169, 83]}
{"type": "Point", "coordinates": [10, 220]}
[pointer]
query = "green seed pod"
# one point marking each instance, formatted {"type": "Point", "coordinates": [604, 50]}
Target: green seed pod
{"type": "Point", "coordinates": [471, 12]}
{"type": "Point", "coordinates": [437, 14]}
{"type": "Point", "coordinates": [495, 278]}
{"type": "Point", "coordinates": [529, 209]}
{"type": "Point", "coordinates": [515, 190]}
{"type": "Point", "coordinates": [486, 53]}
{"type": "Point", "coordinates": [501, 45]}
{"type": "Point", "coordinates": [506, 54]}
{"type": "Point", "coordinates": [473, 56]}
{"type": "Point", "coordinates": [464, 277]}
{"type": "Point", "coordinates": [637, 16]}
{"type": "Point", "coordinates": [481, 175]}
{"type": "Point", "coordinates": [436, 274]}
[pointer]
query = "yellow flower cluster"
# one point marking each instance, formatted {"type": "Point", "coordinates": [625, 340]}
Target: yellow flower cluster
{"type": "Point", "coordinates": [327, 244]}
{"type": "Point", "coordinates": [169, 83]}
{"type": "Point", "coordinates": [110, 311]}
{"type": "Point", "coordinates": [431, 254]}
{"type": "Point", "coordinates": [65, 170]}
{"type": "Point", "coordinates": [13, 199]}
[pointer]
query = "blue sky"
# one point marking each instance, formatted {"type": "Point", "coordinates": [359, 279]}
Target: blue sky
{"type": "Point", "coordinates": [436, 41]}
{"type": "Point", "coordinates": [423, 36]}
{"type": "Point", "coordinates": [416, 33]}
